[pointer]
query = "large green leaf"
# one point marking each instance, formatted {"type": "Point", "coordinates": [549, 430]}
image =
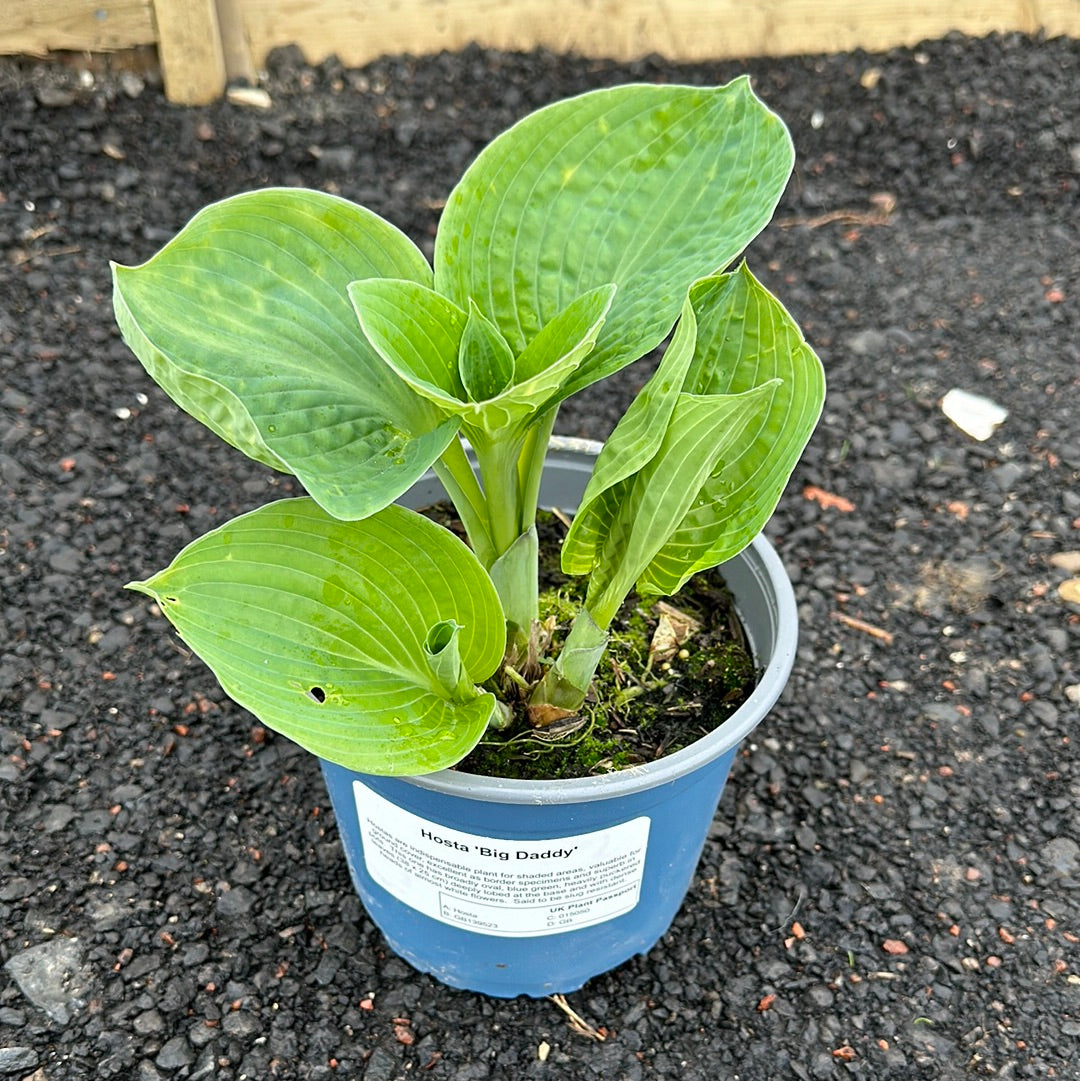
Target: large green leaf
{"type": "Point", "coordinates": [244, 319]}
{"type": "Point", "coordinates": [647, 187]}
{"type": "Point", "coordinates": [362, 641]}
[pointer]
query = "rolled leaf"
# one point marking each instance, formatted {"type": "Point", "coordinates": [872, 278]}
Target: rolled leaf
{"type": "Point", "coordinates": [646, 187]}
{"type": "Point", "coordinates": [343, 636]}
{"type": "Point", "coordinates": [244, 320]}
{"type": "Point", "coordinates": [485, 363]}
{"type": "Point", "coordinates": [444, 657]}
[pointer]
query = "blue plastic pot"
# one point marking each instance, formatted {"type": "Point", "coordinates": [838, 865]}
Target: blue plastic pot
{"type": "Point", "coordinates": [512, 887]}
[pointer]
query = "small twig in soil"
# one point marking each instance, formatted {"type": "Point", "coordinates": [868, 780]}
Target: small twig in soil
{"type": "Point", "coordinates": [884, 205]}
{"type": "Point", "coordinates": [867, 628]}
{"type": "Point", "coordinates": [577, 1022]}
{"type": "Point", "coordinates": [23, 257]}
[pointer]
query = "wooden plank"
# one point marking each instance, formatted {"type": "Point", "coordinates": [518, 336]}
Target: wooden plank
{"type": "Point", "coordinates": [200, 40]}
{"type": "Point", "coordinates": [190, 49]}
{"type": "Point", "coordinates": [360, 30]}
{"type": "Point", "coordinates": [37, 27]}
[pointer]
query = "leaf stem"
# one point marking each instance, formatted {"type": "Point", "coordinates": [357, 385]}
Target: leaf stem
{"type": "Point", "coordinates": [566, 682]}
{"type": "Point", "coordinates": [531, 464]}
{"type": "Point", "coordinates": [455, 471]}
{"type": "Point", "coordinates": [498, 460]}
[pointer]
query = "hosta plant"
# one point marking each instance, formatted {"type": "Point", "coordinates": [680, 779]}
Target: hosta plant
{"type": "Point", "coordinates": [316, 338]}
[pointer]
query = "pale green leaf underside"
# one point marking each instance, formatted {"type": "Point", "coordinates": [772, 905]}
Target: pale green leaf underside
{"type": "Point", "coordinates": [647, 187]}
{"type": "Point", "coordinates": [733, 338]}
{"type": "Point", "coordinates": [244, 320]}
{"type": "Point", "coordinates": [321, 629]}
{"type": "Point", "coordinates": [631, 523]}
{"type": "Point", "coordinates": [745, 337]}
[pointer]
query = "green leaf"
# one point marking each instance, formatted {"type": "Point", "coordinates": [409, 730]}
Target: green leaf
{"type": "Point", "coordinates": [417, 333]}
{"type": "Point", "coordinates": [444, 656]}
{"type": "Point", "coordinates": [420, 335]}
{"type": "Point", "coordinates": [745, 337]}
{"type": "Point", "coordinates": [708, 469]}
{"type": "Point", "coordinates": [647, 187]}
{"type": "Point", "coordinates": [635, 441]}
{"type": "Point", "coordinates": [244, 320]}
{"type": "Point", "coordinates": [634, 520]}
{"type": "Point", "coordinates": [568, 338]}
{"type": "Point", "coordinates": [485, 362]}
{"type": "Point", "coordinates": [337, 634]}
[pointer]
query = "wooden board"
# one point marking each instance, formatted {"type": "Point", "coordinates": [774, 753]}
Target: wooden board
{"type": "Point", "coordinates": [191, 50]}
{"type": "Point", "coordinates": [37, 27]}
{"type": "Point", "coordinates": [201, 42]}
{"type": "Point", "coordinates": [360, 30]}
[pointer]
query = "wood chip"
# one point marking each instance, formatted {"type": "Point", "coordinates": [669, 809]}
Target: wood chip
{"type": "Point", "coordinates": [867, 628]}
{"type": "Point", "coordinates": [828, 500]}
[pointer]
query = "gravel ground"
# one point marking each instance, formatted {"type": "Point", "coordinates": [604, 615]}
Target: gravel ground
{"type": "Point", "coordinates": [890, 888]}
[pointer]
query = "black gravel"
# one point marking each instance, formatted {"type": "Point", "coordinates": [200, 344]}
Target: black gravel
{"type": "Point", "coordinates": [891, 885]}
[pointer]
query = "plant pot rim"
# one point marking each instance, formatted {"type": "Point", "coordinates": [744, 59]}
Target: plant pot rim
{"type": "Point", "coordinates": [766, 569]}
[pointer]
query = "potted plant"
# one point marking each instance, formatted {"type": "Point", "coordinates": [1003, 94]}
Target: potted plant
{"type": "Point", "coordinates": [315, 337]}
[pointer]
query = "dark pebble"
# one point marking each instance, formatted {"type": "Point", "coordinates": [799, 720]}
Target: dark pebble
{"type": "Point", "coordinates": [175, 1054]}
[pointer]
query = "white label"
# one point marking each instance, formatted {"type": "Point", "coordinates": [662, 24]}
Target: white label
{"type": "Point", "coordinates": [501, 886]}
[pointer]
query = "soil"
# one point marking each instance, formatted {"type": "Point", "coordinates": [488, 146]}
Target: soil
{"type": "Point", "coordinates": [890, 887]}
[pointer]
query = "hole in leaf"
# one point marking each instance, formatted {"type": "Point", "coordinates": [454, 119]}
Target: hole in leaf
{"type": "Point", "coordinates": [317, 694]}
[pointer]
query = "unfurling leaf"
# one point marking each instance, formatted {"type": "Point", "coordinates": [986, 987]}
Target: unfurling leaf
{"type": "Point", "coordinates": [485, 362]}
{"type": "Point", "coordinates": [695, 468]}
